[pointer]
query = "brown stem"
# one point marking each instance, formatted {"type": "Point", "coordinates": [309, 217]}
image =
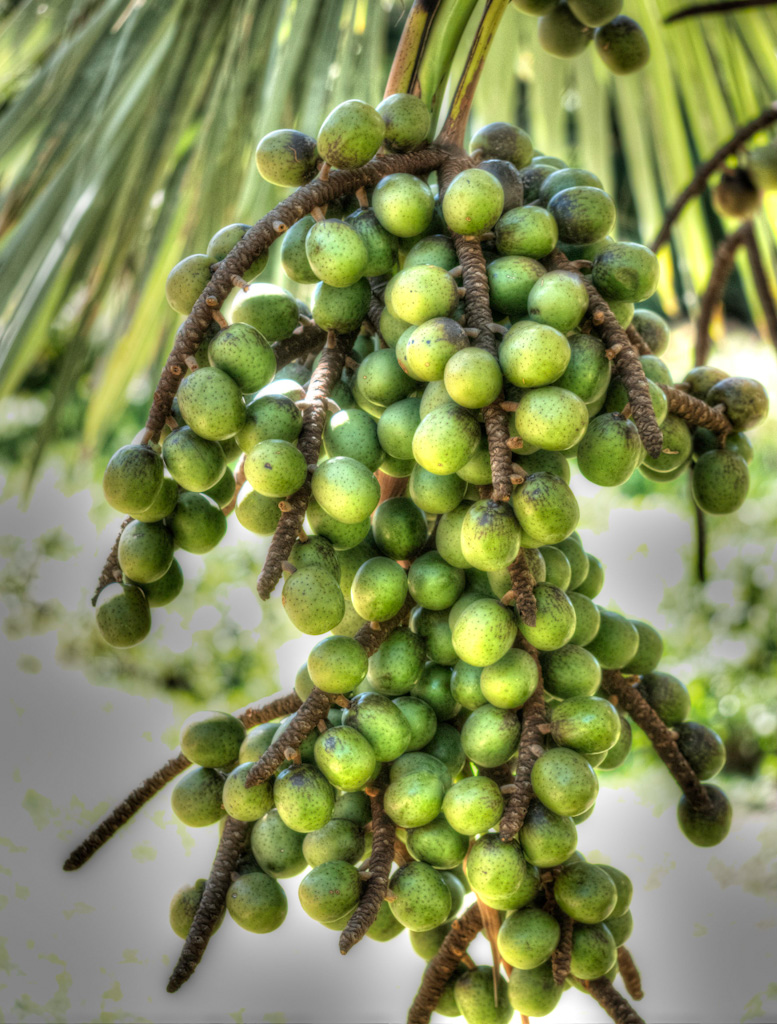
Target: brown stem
{"type": "Point", "coordinates": [522, 587]}
{"type": "Point", "coordinates": [561, 958]}
{"type": "Point", "coordinates": [696, 411]}
{"type": "Point", "coordinates": [765, 296]}
{"type": "Point", "coordinates": [381, 858]}
{"type": "Point", "coordinates": [632, 981]}
{"type": "Point", "coordinates": [324, 378]}
{"type": "Point", "coordinates": [306, 339]}
{"type": "Point", "coordinates": [240, 479]}
{"type": "Point", "coordinates": [659, 734]}
{"type": "Point", "coordinates": [703, 171]}
{"type": "Point", "coordinates": [626, 360]}
{"type": "Point", "coordinates": [305, 720]}
{"type": "Point", "coordinates": [411, 46]}
{"type": "Point", "coordinates": [371, 637]}
{"type": "Point", "coordinates": [440, 968]}
{"type": "Point", "coordinates": [713, 295]}
{"type": "Point", "coordinates": [111, 571]}
{"type": "Point", "coordinates": [231, 844]}
{"type": "Point", "coordinates": [612, 1002]}
{"type": "Point", "coordinates": [530, 747]}
{"type": "Point", "coordinates": [701, 544]}
{"type": "Point", "coordinates": [253, 715]}
{"type": "Point", "coordinates": [401, 853]}
{"type": "Point", "coordinates": [636, 340]}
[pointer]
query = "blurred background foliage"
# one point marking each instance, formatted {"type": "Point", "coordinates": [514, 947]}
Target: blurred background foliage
{"type": "Point", "coordinates": [127, 132]}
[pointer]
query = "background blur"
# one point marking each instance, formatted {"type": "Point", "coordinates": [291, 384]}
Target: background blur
{"type": "Point", "coordinates": [126, 139]}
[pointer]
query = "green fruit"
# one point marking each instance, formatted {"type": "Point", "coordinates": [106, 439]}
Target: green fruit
{"type": "Point", "coordinates": [653, 330]}
{"type": "Point", "coordinates": [343, 487]}
{"type": "Point", "coordinates": [528, 937]}
{"type": "Point", "coordinates": [472, 378]}
{"type": "Point", "coordinates": [186, 281]}
{"type": "Point", "coordinates": [583, 214]}
{"type": "Point", "coordinates": [315, 551]}
{"type": "Point", "coordinates": [465, 685]}
{"type": "Point", "coordinates": [448, 536]}
{"type": "Point", "coordinates": [379, 589]}
{"type": "Point", "coordinates": [484, 632]}
{"type": "Point", "coordinates": [270, 310]}
{"type": "Point", "coordinates": [534, 993]}
{"type": "Point", "coordinates": [342, 536]}
{"type": "Point", "coordinates": [446, 439]}
{"type": "Point", "coordinates": [510, 280]}
{"type": "Point", "coordinates": [701, 378]}
{"type": "Point", "coordinates": [145, 551]}
{"type": "Point", "coordinates": [526, 231]}
{"type": "Point", "coordinates": [242, 353]}
{"type": "Point", "coordinates": [337, 664]}
{"type": "Point", "coordinates": [433, 583]}
{"type": "Point", "coordinates": [473, 805]}
{"type": "Point", "coordinates": [495, 868]}
{"type": "Point", "coordinates": [287, 157]}
{"type": "Point", "coordinates": [649, 652]}
{"type": "Point", "coordinates": [551, 418]}
{"type": "Point", "coordinates": [183, 907]}
{"type": "Point", "coordinates": [426, 944]}
{"type": "Point", "coordinates": [445, 745]}
{"type": "Point", "coordinates": [303, 798]}
{"type": "Point", "coordinates": [133, 478]}
{"type": "Point", "coordinates": [212, 738]}
{"type": "Point", "coordinates": [620, 927]}
{"type": "Point", "coordinates": [399, 528]}
{"type": "Point", "coordinates": [164, 590]}
{"type": "Point", "coordinates": [211, 404]}
{"type": "Point", "coordinates": [566, 177]}
{"type": "Point", "coordinates": [570, 671]}
{"type": "Point", "coordinates": [503, 141]}
{"type": "Point", "coordinates": [555, 619]}
{"type": "Point", "coordinates": [438, 250]}
{"type": "Point", "coordinates": [196, 797]}
{"type": "Point", "coordinates": [677, 446]}
{"type": "Point", "coordinates": [533, 354]}
{"type": "Point", "coordinates": [423, 900]}
{"type": "Point", "coordinates": [407, 121]}
{"type": "Point", "coordinates": [558, 571]}
{"type": "Point", "coordinates": [294, 258]}
{"type": "Point", "coordinates": [123, 616]}
{"type": "Point", "coordinates": [224, 491]}
{"type": "Point", "coordinates": [592, 581]}
{"type": "Point", "coordinates": [474, 995]}
{"type": "Point", "coordinates": [275, 468]}
{"type": "Point", "coordinates": [477, 470]}
{"type": "Point", "coordinates": [706, 827]}
{"type": "Point", "coordinates": [381, 379]}
{"type": "Point", "coordinates": [313, 600]}
{"type": "Point", "coordinates": [610, 450]}
{"type": "Point", "coordinates": [437, 844]}
{"type": "Point", "coordinates": [257, 903]}
{"type": "Point", "coordinates": [509, 682]}
{"type": "Point", "coordinates": [546, 838]}
{"type": "Point", "coordinates": [533, 176]}
{"type": "Point", "coordinates": [433, 687]}
{"type": "Point", "coordinates": [560, 33]}
{"type": "Point", "coordinates": [404, 206]}
{"type": "Point", "coordinates": [616, 642]}
{"type": "Point", "coordinates": [225, 240]}
{"type": "Point", "coordinates": [245, 804]}
{"type": "Point", "coordinates": [344, 756]}
{"type": "Point", "coordinates": [164, 502]}
{"type": "Point", "coordinates": [626, 271]}
{"type": "Point", "coordinates": [667, 697]}
{"type": "Point", "coordinates": [258, 514]}
{"type": "Point", "coordinates": [421, 293]}
{"type": "Point", "coordinates": [473, 202]}
{"type": "Point", "coordinates": [703, 441]}
{"type": "Point", "coordinates": [702, 748]}
{"type": "Point", "coordinates": [417, 761]}
{"type": "Point", "coordinates": [563, 780]}
{"type": "Point", "coordinates": [256, 742]}
{"type": "Point", "coordinates": [351, 134]}
{"type": "Point", "coordinates": [720, 482]}
{"type": "Point", "coordinates": [197, 523]}
{"type": "Point", "coordinates": [330, 891]}
{"type": "Point", "coordinates": [336, 253]}
{"type": "Point", "coordinates": [276, 847]}
{"type": "Point", "coordinates": [396, 427]}
{"type": "Point", "coordinates": [353, 807]}
{"type": "Point", "coordinates": [396, 664]}
{"type": "Point", "coordinates": [589, 369]}
{"type": "Point", "coordinates": [622, 45]}
{"type": "Point", "coordinates": [490, 535]}
{"type": "Point", "coordinates": [585, 892]}
{"type": "Point", "coordinates": [559, 299]}
{"type": "Point", "coordinates": [617, 754]}
{"type": "Point", "coordinates": [656, 369]}
{"type": "Point", "coordinates": [593, 951]}
{"type": "Point", "coordinates": [546, 508]}
{"type": "Point", "coordinates": [381, 723]}
{"type": "Point", "coordinates": [420, 717]}
{"type": "Point", "coordinates": [413, 800]}
{"type": "Point", "coordinates": [490, 736]}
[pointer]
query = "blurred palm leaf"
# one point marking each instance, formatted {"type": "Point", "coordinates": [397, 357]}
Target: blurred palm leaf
{"type": "Point", "coordinates": [127, 131]}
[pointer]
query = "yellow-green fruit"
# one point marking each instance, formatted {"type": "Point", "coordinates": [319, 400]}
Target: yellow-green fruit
{"type": "Point", "coordinates": [473, 202]}
{"type": "Point", "coordinates": [287, 157]}
{"type": "Point", "coordinates": [133, 478]}
{"type": "Point", "coordinates": [123, 616]}
{"type": "Point", "coordinates": [186, 281]}
{"type": "Point", "coordinates": [351, 134]}
{"type": "Point", "coordinates": [211, 403]}
{"type": "Point", "coordinates": [407, 120]}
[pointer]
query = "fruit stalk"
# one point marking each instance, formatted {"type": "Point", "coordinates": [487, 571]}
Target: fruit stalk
{"type": "Point", "coordinates": [306, 719]}
{"type": "Point", "coordinates": [442, 965]}
{"type": "Point", "coordinates": [761, 283]}
{"type": "Point", "coordinates": [371, 637]}
{"type": "Point", "coordinates": [309, 339]}
{"type": "Point", "coordinates": [111, 571]}
{"type": "Point", "coordinates": [561, 958]}
{"type": "Point", "coordinates": [612, 1002]}
{"type": "Point", "coordinates": [713, 295]}
{"type": "Point", "coordinates": [529, 749]}
{"type": "Point", "coordinates": [695, 411]}
{"type": "Point", "coordinates": [522, 589]}
{"type": "Point", "coordinates": [632, 981]}
{"type": "Point", "coordinates": [415, 33]}
{"type": "Point", "coordinates": [231, 844]}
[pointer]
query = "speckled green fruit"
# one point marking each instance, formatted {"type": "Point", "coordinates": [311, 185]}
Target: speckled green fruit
{"type": "Point", "coordinates": [211, 403]}
{"type": "Point", "coordinates": [433, 583]}
{"type": "Point", "coordinates": [595, 12]}
{"type": "Point", "coordinates": [533, 176]}
{"type": "Point", "coordinates": [271, 310]}
{"type": "Point", "coordinates": [212, 738]}
{"type": "Point", "coordinates": [578, 560]}
{"type": "Point", "coordinates": [566, 177]}
{"type": "Point", "coordinates": [559, 299]}
{"type": "Point", "coordinates": [558, 571]}
{"type": "Point", "coordinates": [656, 369]}
{"type": "Point", "coordinates": [224, 241]}
{"type": "Point", "coordinates": [477, 471]}
{"type": "Point", "coordinates": [701, 378]}
{"type": "Point", "coordinates": [473, 805]}
{"type": "Point", "coordinates": [746, 401]}
{"type": "Point", "coordinates": [340, 839]}
{"type": "Point", "coordinates": [667, 696]}
{"type": "Point", "coordinates": [418, 761]}
{"type": "Point", "coordinates": [707, 441]}
{"type": "Point", "coordinates": [421, 293]}
{"type": "Point", "coordinates": [294, 258]}
{"type": "Point", "coordinates": [166, 497]}
{"type": "Point", "coordinates": [555, 619]}
{"type": "Point", "coordinates": [399, 528]}
{"type": "Point", "coordinates": [706, 826]}
{"type": "Point", "coordinates": [490, 535]}
{"type": "Point", "coordinates": [426, 944]}
{"type": "Point", "coordinates": [702, 748]}
{"type": "Point", "coordinates": [622, 45]}
{"type": "Point", "coordinates": [420, 717]}
{"type": "Point", "coordinates": [445, 745]}
{"type": "Point", "coordinates": [533, 354]}
{"type": "Point", "coordinates": [287, 157]}
{"type": "Point", "coordinates": [245, 804]}
{"type": "Point", "coordinates": [473, 202]}
{"type": "Point", "coordinates": [546, 508]}
{"type": "Point", "coordinates": [423, 900]}
{"type": "Point", "coordinates": [123, 616]}
{"type": "Point", "coordinates": [268, 417]}
{"type": "Point", "coordinates": [275, 468]}
{"type": "Point", "coordinates": [437, 844]}
{"type": "Point", "coordinates": [616, 642]}
{"type": "Point", "coordinates": [434, 687]}
{"type": "Point", "coordinates": [495, 868]}
{"type": "Point", "coordinates": [509, 682]}
{"type": "Point", "coordinates": [379, 589]}
{"type": "Point", "coordinates": [257, 903]}
{"type": "Point", "coordinates": [381, 379]}
{"type": "Point", "coordinates": [593, 951]}
{"type": "Point", "coordinates": [133, 478]}
{"type": "Point", "coordinates": [610, 450]}
{"type": "Point", "coordinates": [474, 995]}
{"type": "Point", "coordinates": [617, 754]}
{"type": "Point", "coordinates": [345, 757]}
{"type": "Point", "coordinates": [381, 723]}
{"type": "Point", "coordinates": [465, 685]}
{"type": "Point", "coordinates": [490, 735]}
{"type": "Point", "coordinates": [351, 134]}
{"type": "Point", "coordinates": [626, 271]}
{"type": "Point", "coordinates": [407, 121]}
{"type": "Point", "coordinates": [446, 439]}
{"type": "Point", "coordinates": [503, 141]}
{"type": "Point", "coordinates": [473, 378]}
{"type": "Point", "coordinates": [336, 253]}
{"type": "Point", "coordinates": [344, 488]}
{"type": "Point", "coordinates": [183, 907]}
{"type": "Point", "coordinates": [677, 446]}
{"type": "Point", "coordinates": [186, 281]}
{"type": "Point", "coordinates": [534, 993]}
{"type": "Point", "coordinates": [720, 482]}
{"type": "Point", "coordinates": [164, 590]}
{"type": "Point", "coordinates": [551, 418]}
{"type": "Point", "coordinates": [196, 797]}
{"type": "Point", "coordinates": [431, 345]}
{"type": "Point", "coordinates": [546, 838]}
{"type": "Point", "coordinates": [256, 741]}
{"type": "Point", "coordinates": [145, 551]}
{"type": "Point", "coordinates": [413, 800]}
{"type": "Point", "coordinates": [313, 600]}
{"type": "Point", "coordinates": [404, 206]}
{"type": "Point", "coordinates": [330, 891]}
{"type": "Point", "coordinates": [528, 937]}
{"type": "Point", "coordinates": [197, 523]}
{"type": "Point", "coordinates": [510, 280]}
{"type": "Point", "coordinates": [276, 847]}
{"type": "Point", "coordinates": [337, 664]}
{"type": "Point", "coordinates": [653, 330]}
{"type": "Point", "coordinates": [342, 536]}
{"type": "Point", "coordinates": [258, 514]}
{"type": "Point", "coordinates": [583, 214]}
{"type": "Point", "coordinates": [592, 581]}
{"type": "Point", "coordinates": [448, 536]}
{"type": "Point", "coordinates": [571, 671]}
{"type": "Point", "coordinates": [526, 231]}
{"type": "Point", "coordinates": [564, 781]}
{"type": "Point", "coordinates": [509, 178]}
{"type": "Point", "coordinates": [242, 353]}
{"type": "Point", "coordinates": [396, 664]}
{"type": "Point", "coordinates": [303, 798]}
{"type": "Point", "coordinates": [484, 632]}
{"type": "Point", "coordinates": [194, 462]}
{"type": "Point", "coordinates": [315, 551]}
{"type": "Point", "coordinates": [437, 250]}
{"type": "Point", "coordinates": [649, 652]}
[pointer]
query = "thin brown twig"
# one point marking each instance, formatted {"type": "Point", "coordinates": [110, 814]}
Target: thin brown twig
{"type": "Point", "coordinates": [530, 747]}
{"type": "Point", "coordinates": [612, 1002]}
{"type": "Point", "coordinates": [724, 6]}
{"type": "Point", "coordinates": [305, 720]}
{"type": "Point", "coordinates": [696, 411]}
{"type": "Point", "coordinates": [765, 296]}
{"type": "Point", "coordinates": [371, 638]}
{"type": "Point", "coordinates": [306, 339]}
{"type": "Point", "coordinates": [240, 479]}
{"type": "Point", "coordinates": [440, 968]}
{"type": "Point", "coordinates": [379, 867]}
{"type": "Point", "coordinates": [632, 981]}
{"type": "Point", "coordinates": [713, 295]}
{"type": "Point", "coordinates": [704, 170]}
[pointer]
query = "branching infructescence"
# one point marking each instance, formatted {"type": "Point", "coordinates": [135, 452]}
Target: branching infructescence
{"type": "Point", "coordinates": [703, 171]}
{"type": "Point", "coordinates": [305, 720]}
{"type": "Point", "coordinates": [479, 316]}
{"type": "Point", "coordinates": [659, 734]}
{"type": "Point", "coordinates": [306, 339]}
{"type": "Point", "coordinates": [612, 1002]}
{"type": "Point", "coordinates": [253, 715]}
{"type": "Point", "coordinates": [231, 844]}
{"type": "Point", "coordinates": [632, 981]}
{"type": "Point", "coordinates": [324, 378]}
{"type": "Point", "coordinates": [371, 637]}
{"type": "Point", "coordinates": [111, 571]}
{"type": "Point", "coordinates": [626, 361]}
{"type": "Point", "coordinates": [696, 412]}
{"type": "Point", "coordinates": [765, 296]}
{"type": "Point", "coordinates": [379, 867]}
{"type": "Point", "coordinates": [530, 747]}
{"type": "Point", "coordinates": [713, 295]}
{"type": "Point", "coordinates": [440, 968]}
{"type": "Point", "coordinates": [522, 589]}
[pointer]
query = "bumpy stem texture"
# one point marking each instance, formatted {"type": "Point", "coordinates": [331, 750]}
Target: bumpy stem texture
{"type": "Point", "coordinates": [522, 585]}
{"type": "Point", "coordinates": [561, 958]}
{"type": "Point", "coordinates": [713, 296]}
{"type": "Point", "coordinates": [309, 338]}
{"type": "Point", "coordinates": [383, 836]}
{"type": "Point", "coordinates": [231, 844]}
{"type": "Point", "coordinates": [632, 981]}
{"type": "Point", "coordinates": [696, 412]}
{"type": "Point", "coordinates": [253, 715]}
{"type": "Point", "coordinates": [111, 571]}
{"type": "Point", "coordinates": [612, 1002]}
{"type": "Point", "coordinates": [256, 241]}
{"type": "Point", "coordinates": [478, 309]}
{"type": "Point", "coordinates": [442, 965]}
{"type": "Point", "coordinates": [529, 749]}
{"type": "Point", "coordinates": [626, 361]}
{"type": "Point", "coordinates": [632, 701]}
{"type": "Point", "coordinates": [305, 720]}
{"type": "Point", "coordinates": [371, 638]}
{"type": "Point", "coordinates": [324, 378]}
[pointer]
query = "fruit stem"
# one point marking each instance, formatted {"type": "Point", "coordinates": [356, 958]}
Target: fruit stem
{"type": "Point", "coordinates": [415, 34]}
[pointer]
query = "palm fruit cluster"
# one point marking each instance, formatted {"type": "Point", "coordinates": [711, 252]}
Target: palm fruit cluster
{"type": "Point", "coordinates": [484, 608]}
{"type": "Point", "coordinates": [567, 27]}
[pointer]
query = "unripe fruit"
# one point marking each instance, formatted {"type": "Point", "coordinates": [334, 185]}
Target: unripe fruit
{"type": "Point", "coordinates": [123, 616]}
{"type": "Point", "coordinates": [287, 157]}
{"type": "Point", "coordinates": [473, 202]}
{"type": "Point", "coordinates": [403, 204]}
{"type": "Point", "coordinates": [407, 121]}
{"type": "Point", "coordinates": [211, 403]}
{"type": "Point", "coordinates": [133, 478]}
{"type": "Point", "coordinates": [351, 134]}
{"type": "Point", "coordinates": [186, 281]}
